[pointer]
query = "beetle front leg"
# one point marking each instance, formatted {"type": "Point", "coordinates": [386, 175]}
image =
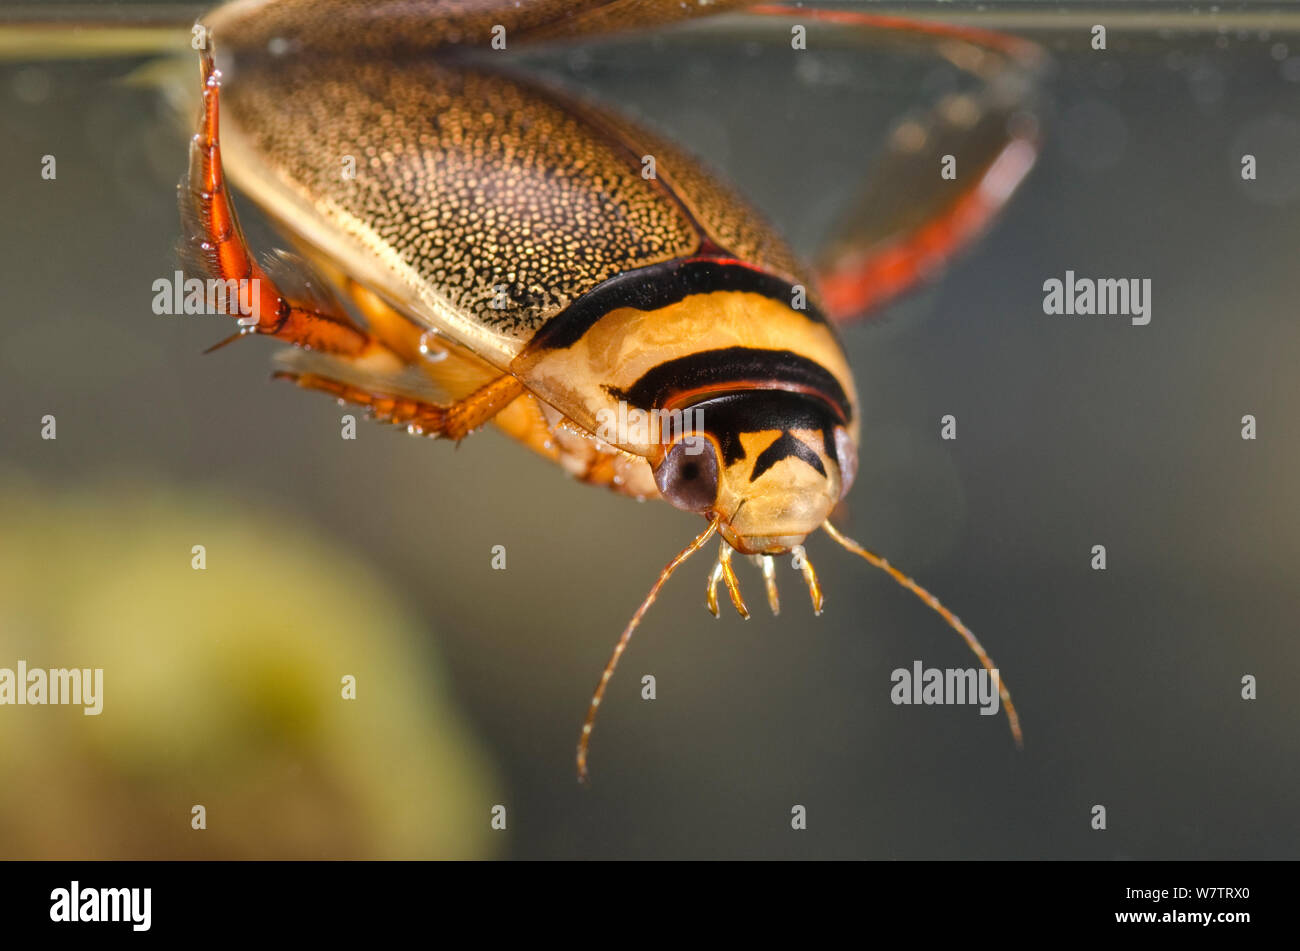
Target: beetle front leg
{"type": "Point", "coordinates": [217, 242]}
{"type": "Point", "coordinates": [766, 565]}
{"type": "Point", "coordinates": [724, 572]}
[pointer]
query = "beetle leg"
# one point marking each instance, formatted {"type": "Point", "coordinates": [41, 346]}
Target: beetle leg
{"type": "Point", "coordinates": [907, 221]}
{"type": "Point", "coordinates": [768, 567]}
{"type": "Point", "coordinates": [809, 577]}
{"type": "Point", "coordinates": [722, 571]}
{"type": "Point", "coordinates": [217, 242]}
{"type": "Point", "coordinates": [725, 552]}
{"type": "Point", "coordinates": [452, 421]}
{"type": "Point", "coordinates": [714, 577]}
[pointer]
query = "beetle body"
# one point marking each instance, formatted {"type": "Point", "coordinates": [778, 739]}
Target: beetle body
{"type": "Point", "coordinates": [510, 253]}
{"type": "Point", "coordinates": [519, 227]}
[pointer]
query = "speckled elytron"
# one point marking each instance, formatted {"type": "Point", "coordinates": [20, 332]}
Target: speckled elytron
{"type": "Point", "coordinates": [506, 230]}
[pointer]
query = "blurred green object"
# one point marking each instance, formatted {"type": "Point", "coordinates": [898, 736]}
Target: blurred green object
{"type": "Point", "coordinates": [223, 687]}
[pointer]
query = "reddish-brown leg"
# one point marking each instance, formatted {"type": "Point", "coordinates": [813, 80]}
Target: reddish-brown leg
{"type": "Point", "coordinates": [453, 421]}
{"type": "Point", "coordinates": [219, 244]}
{"type": "Point", "coordinates": [907, 222]}
{"type": "Point", "coordinates": [217, 241]}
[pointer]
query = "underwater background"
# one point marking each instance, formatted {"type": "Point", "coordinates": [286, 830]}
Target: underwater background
{"type": "Point", "coordinates": [372, 558]}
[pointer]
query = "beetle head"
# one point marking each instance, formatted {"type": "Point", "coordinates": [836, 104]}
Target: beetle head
{"type": "Point", "coordinates": [765, 467]}
{"type": "Point", "coordinates": [769, 464]}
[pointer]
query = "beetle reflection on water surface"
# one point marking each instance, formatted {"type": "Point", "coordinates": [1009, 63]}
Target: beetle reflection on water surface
{"type": "Point", "coordinates": [513, 262]}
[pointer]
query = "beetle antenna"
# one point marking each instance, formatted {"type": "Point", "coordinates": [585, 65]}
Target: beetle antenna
{"type": "Point", "coordinates": [1013, 718]}
{"type": "Point", "coordinates": [584, 740]}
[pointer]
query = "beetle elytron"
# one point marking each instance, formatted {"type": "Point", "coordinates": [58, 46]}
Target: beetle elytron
{"type": "Point", "coordinates": [513, 264]}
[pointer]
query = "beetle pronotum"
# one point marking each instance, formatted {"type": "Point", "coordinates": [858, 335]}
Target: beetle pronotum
{"type": "Point", "coordinates": [506, 228]}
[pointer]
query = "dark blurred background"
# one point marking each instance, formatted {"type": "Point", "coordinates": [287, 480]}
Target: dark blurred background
{"type": "Point", "coordinates": [372, 557]}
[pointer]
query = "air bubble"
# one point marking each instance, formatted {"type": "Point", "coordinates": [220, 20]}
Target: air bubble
{"type": "Point", "coordinates": [430, 350]}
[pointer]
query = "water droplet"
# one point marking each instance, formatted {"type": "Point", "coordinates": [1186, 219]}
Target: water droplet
{"type": "Point", "coordinates": [430, 349]}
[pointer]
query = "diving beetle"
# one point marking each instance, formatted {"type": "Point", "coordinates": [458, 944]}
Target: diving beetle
{"type": "Point", "coordinates": [511, 263]}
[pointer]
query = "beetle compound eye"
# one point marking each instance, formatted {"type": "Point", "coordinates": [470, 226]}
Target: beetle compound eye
{"type": "Point", "coordinates": [688, 476]}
